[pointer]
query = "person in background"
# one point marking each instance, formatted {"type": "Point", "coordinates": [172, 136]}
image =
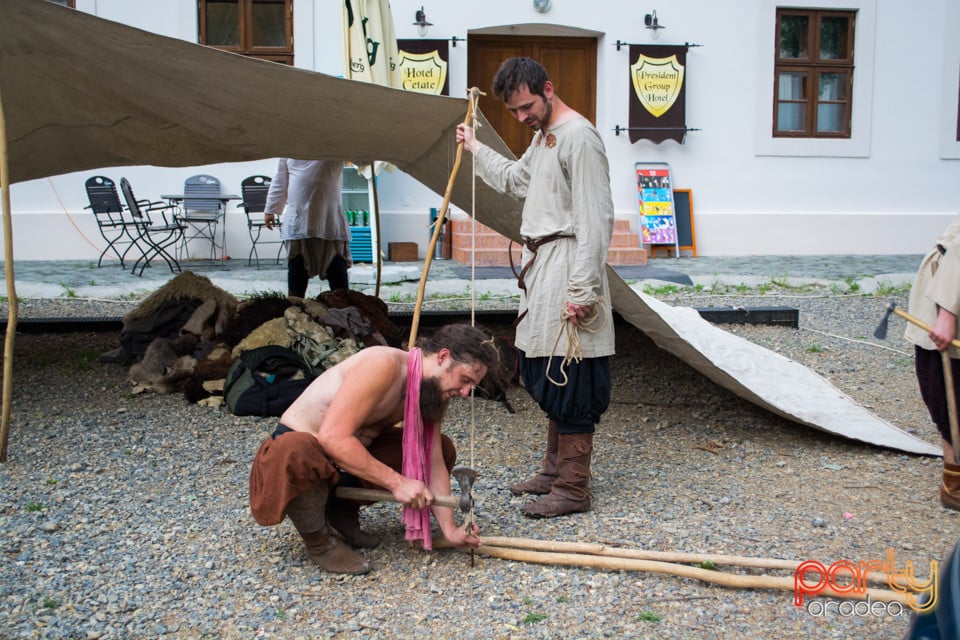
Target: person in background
{"type": "Point", "coordinates": [565, 327]}
{"type": "Point", "coordinates": [935, 300]}
{"type": "Point", "coordinates": [307, 193]}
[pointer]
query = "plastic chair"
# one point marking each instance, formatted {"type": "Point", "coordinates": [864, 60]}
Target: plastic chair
{"type": "Point", "coordinates": [202, 210]}
{"type": "Point", "coordinates": [157, 234]}
{"type": "Point", "coordinates": [116, 227]}
{"type": "Point", "coordinates": [254, 190]}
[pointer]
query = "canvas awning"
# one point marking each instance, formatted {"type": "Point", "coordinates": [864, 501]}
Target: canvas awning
{"type": "Point", "coordinates": [80, 93]}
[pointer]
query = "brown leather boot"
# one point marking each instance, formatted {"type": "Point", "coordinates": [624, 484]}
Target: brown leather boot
{"type": "Point", "coordinates": [540, 484]}
{"type": "Point", "coordinates": [950, 486]}
{"type": "Point", "coordinates": [344, 516]}
{"type": "Point", "coordinates": [569, 493]}
{"type": "Point", "coordinates": [306, 511]}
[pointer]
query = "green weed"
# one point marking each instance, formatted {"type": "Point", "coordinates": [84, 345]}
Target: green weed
{"type": "Point", "coordinates": [648, 616]}
{"type": "Point", "coordinates": [814, 348]}
{"type": "Point", "coordinates": [50, 603]}
{"type": "Point", "coordinates": [533, 618]}
{"type": "Point", "coordinates": [33, 507]}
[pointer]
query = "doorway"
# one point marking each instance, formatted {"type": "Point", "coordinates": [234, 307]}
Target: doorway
{"type": "Point", "coordinates": [571, 64]}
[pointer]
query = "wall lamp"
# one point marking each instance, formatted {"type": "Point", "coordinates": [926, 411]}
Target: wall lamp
{"type": "Point", "coordinates": [421, 22]}
{"type": "Point", "coordinates": [651, 22]}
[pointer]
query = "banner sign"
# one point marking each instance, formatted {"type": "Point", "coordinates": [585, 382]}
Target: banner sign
{"type": "Point", "coordinates": [423, 66]}
{"type": "Point", "coordinates": [658, 109]}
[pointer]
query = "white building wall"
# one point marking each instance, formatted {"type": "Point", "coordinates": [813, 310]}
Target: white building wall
{"type": "Point", "coordinates": [892, 188]}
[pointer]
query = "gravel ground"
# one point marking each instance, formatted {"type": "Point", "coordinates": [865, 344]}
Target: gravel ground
{"type": "Point", "coordinates": [126, 517]}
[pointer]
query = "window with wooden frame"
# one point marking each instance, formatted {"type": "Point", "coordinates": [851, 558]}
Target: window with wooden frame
{"type": "Point", "coordinates": [67, 3]}
{"type": "Point", "coordinates": [256, 28]}
{"type": "Point", "coordinates": [813, 73]}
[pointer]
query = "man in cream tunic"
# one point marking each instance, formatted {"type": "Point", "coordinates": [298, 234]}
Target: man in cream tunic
{"type": "Point", "coordinates": [935, 300]}
{"type": "Point", "coordinates": [565, 329]}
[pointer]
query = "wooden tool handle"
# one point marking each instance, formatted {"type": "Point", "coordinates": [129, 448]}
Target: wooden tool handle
{"type": "Point", "coordinates": [376, 495]}
{"type": "Point", "coordinates": [920, 323]}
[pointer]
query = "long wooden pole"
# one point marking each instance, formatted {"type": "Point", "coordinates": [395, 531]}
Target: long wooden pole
{"type": "Point", "coordinates": [596, 549]}
{"type": "Point", "coordinates": [739, 581]}
{"type": "Point", "coordinates": [376, 223]}
{"type": "Point", "coordinates": [582, 555]}
{"type": "Point", "coordinates": [438, 224]}
{"type": "Point", "coordinates": [951, 403]}
{"type": "Point", "coordinates": [11, 289]}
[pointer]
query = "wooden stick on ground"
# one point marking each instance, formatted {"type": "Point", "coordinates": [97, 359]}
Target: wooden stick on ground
{"type": "Point", "coordinates": [739, 581]}
{"type": "Point", "coordinates": [619, 559]}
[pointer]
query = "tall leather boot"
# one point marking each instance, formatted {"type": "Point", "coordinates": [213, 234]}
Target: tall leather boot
{"type": "Point", "coordinates": [540, 484]}
{"type": "Point", "coordinates": [569, 493]}
{"type": "Point", "coordinates": [950, 486]}
{"type": "Point", "coordinates": [306, 511]}
{"type": "Point", "coordinates": [344, 516]}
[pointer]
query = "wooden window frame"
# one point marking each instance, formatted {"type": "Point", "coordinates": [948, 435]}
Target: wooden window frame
{"type": "Point", "coordinates": [813, 66]}
{"type": "Point", "coordinates": [69, 3]}
{"type": "Point", "coordinates": [246, 47]}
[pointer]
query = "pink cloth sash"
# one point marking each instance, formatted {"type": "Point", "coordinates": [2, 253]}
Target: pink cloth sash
{"type": "Point", "coordinates": [417, 446]}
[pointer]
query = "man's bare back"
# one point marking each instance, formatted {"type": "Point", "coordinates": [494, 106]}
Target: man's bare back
{"type": "Point", "coordinates": [365, 391]}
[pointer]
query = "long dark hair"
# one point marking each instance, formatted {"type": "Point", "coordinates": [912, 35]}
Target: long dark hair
{"type": "Point", "coordinates": [468, 344]}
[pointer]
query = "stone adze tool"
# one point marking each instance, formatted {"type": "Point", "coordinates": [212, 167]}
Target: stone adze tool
{"type": "Point", "coordinates": [465, 478]}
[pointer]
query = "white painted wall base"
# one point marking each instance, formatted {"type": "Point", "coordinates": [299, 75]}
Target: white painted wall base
{"type": "Point", "coordinates": [717, 234]}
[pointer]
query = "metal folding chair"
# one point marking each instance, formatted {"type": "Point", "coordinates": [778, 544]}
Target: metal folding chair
{"type": "Point", "coordinates": [202, 211]}
{"type": "Point", "coordinates": [118, 229]}
{"type": "Point", "coordinates": [254, 190]}
{"type": "Point", "coordinates": [157, 233]}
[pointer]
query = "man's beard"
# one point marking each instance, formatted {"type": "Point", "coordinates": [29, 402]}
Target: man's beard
{"type": "Point", "coordinates": [432, 402]}
{"type": "Point", "coordinates": [539, 123]}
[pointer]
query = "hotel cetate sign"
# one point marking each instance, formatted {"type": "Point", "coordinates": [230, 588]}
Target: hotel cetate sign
{"type": "Point", "coordinates": [423, 66]}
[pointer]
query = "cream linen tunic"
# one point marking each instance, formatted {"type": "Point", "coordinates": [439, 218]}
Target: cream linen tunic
{"type": "Point", "coordinates": [565, 179]}
{"type": "Point", "coordinates": [937, 284]}
{"type": "Point", "coordinates": [307, 195]}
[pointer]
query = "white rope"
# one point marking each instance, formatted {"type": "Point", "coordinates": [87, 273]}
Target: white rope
{"type": "Point", "coordinates": [573, 352]}
{"type": "Point", "coordinates": [474, 102]}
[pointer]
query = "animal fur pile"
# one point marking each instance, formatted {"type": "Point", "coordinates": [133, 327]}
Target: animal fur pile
{"type": "Point", "coordinates": [194, 358]}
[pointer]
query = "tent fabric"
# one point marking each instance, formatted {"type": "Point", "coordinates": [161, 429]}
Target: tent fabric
{"type": "Point", "coordinates": [82, 93]}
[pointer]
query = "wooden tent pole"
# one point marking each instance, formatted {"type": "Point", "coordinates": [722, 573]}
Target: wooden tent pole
{"type": "Point", "coordinates": [596, 549]}
{"type": "Point", "coordinates": [473, 92]}
{"type": "Point", "coordinates": [376, 224]}
{"type": "Point", "coordinates": [735, 580]}
{"type": "Point", "coordinates": [615, 563]}
{"type": "Point", "coordinates": [11, 288]}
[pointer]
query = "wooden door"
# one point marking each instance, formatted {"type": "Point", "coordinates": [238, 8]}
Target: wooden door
{"type": "Point", "coordinates": [571, 64]}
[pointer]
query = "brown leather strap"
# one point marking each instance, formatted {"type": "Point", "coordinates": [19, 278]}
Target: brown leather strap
{"type": "Point", "coordinates": [533, 245]}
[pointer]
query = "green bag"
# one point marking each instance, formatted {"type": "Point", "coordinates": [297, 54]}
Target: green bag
{"type": "Point", "coordinates": [265, 381]}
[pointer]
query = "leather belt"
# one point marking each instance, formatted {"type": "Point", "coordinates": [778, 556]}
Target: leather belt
{"type": "Point", "coordinates": [533, 245]}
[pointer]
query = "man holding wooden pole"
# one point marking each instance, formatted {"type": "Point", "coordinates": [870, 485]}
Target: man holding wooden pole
{"type": "Point", "coordinates": [935, 300]}
{"type": "Point", "coordinates": [565, 327]}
